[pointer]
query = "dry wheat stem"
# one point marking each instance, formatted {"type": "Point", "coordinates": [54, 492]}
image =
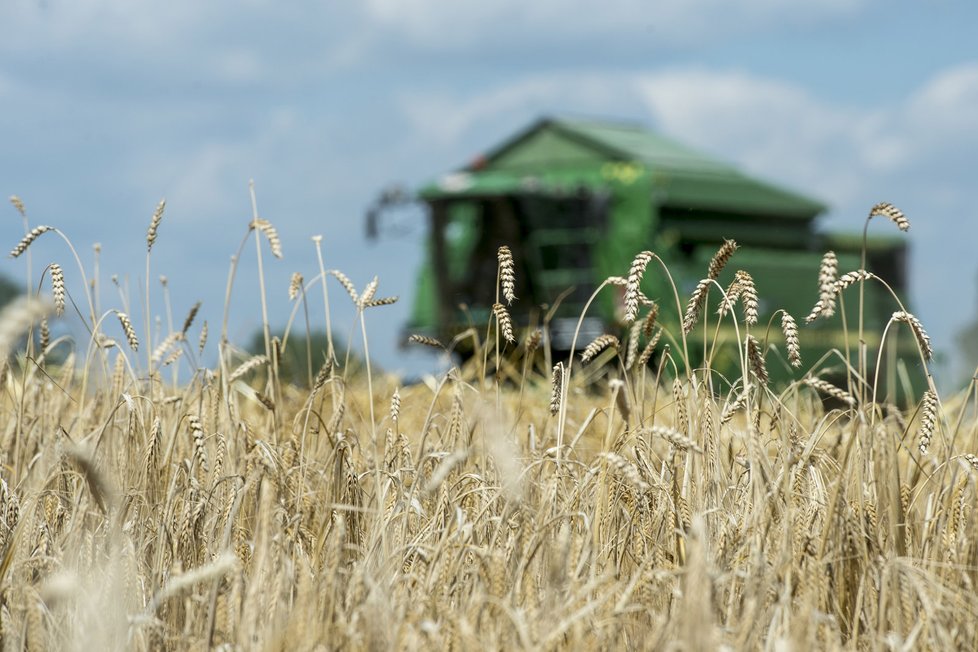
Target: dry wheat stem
{"type": "Point", "coordinates": [828, 271]}
{"type": "Point", "coordinates": [928, 419]}
{"type": "Point", "coordinates": [19, 205]}
{"type": "Point", "coordinates": [395, 405]}
{"type": "Point", "coordinates": [695, 305]}
{"type": "Point", "coordinates": [721, 258]}
{"type": "Point", "coordinates": [347, 284]}
{"type": "Point", "coordinates": [635, 274]}
{"type": "Point", "coordinates": [165, 346]}
{"type": "Point", "coordinates": [425, 340]}
{"type": "Point", "coordinates": [730, 298]}
{"type": "Point", "coordinates": [154, 224]}
{"type": "Point", "coordinates": [383, 301]}
{"type": "Point", "coordinates": [790, 330]}
{"type": "Point", "coordinates": [891, 212]}
{"type": "Point", "coordinates": [202, 341]}
{"type": "Point", "coordinates": [29, 239]}
{"type": "Point", "coordinates": [849, 279]}
{"type": "Point", "coordinates": [271, 234]}
{"type": "Point", "coordinates": [674, 437]}
{"type": "Point", "coordinates": [627, 471]}
{"type": "Point", "coordinates": [504, 321]}
{"type": "Point", "coordinates": [748, 296]}
{"type": "Point", "coordinates": [128, 330]}
{"type": "Point", "coordinates": [58, 288]}
{"type": "Point", "coordinates": [45, 334]}
{"type": "Point", "coordinates": [247, 366]}
{"type": "Point", "coordinates": [556, 387]}
{"type": "Point", "coordinates": [649, 349]}
{"type": "Point", "coordinates": [368, 294]}
{"type": "Point", "coordinates": [756, 357]}
{"type": "Point", "coordinates": [923, 340]}
{"type": "Point", "coordinates": [830, 389]}
{"type": "Point", "coordinates": [295, 284]}
{"type": "Point", "coordinates": [649, 323]}
{"type": "Point", "coordinates": [189, 321]}
{"type": "Point", "coordinates": [631, 350]}
{"type": "Point", "coordinates": [507, 274]}
{"type": "Point", "coordinates": [599, 344]}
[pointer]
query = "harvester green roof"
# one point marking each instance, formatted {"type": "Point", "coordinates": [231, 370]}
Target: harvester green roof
{"type": "Point", "coordinates": [556, 156]}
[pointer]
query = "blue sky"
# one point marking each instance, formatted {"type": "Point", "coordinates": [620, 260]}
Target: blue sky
{"type": "Point", "coordinates": [108, 106]}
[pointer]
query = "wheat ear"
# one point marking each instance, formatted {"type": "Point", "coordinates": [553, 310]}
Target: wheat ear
{"type": "Point", "coordinates": [507, 274]}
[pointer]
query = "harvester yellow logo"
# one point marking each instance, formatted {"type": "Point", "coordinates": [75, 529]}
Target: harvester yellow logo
{"type": "Point", "coordinates": [625, 172]}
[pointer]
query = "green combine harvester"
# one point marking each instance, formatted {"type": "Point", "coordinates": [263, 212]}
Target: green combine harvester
{"type": "Point", "coordinates": [576, 200]}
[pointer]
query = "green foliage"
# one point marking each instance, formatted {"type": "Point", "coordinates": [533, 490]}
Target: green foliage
{"type": "Point", "coordinates": [8, 290]}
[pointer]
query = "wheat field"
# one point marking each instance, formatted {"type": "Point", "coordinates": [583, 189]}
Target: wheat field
{"type": "Point", "coordinates": [522, 500]}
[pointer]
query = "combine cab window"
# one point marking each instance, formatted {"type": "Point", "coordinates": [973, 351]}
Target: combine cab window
{"type": "Point", "coordinates": [552, 240]}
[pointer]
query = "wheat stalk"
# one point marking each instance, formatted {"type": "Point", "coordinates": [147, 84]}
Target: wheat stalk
{"type": "Point", "coordinates": [395, 405]}
{"type": "Point", "coordinates": [58, 288]}
{"type": "Point", "coordinates": [504, 321]}
{"type": "Point", "coordinates": [748, 294]}
{"type": "Point", "coordinates": [830, 389]}
{"type": "Point", "coordinates": [154, 224]}
{"type": "Point", "coordinates": [189, 321]}
{"type": "Point", "coordinates": [173, 357]}
{"type": "Point", "coordinates": [730, 298]}
{"type": "Point", "coordinates": [202, 340]}
{"type": "Point", "coordinates": [295, 284]}
{"type": "Point", "coordinates": [649, 349]}
{"type": "Point", "coordinates": [197, 432]}
{"type": "Point", "coordinates": [425, 340]}
{"type": "Point", "coordinates": [756, 358]}
{"type": "Point", "coordinates": [695, 305]}
{"type": "Point", "coordinates": [599, 344]}
{"type": "Point", "coordinates": [790, 330]}
{"type": "Point", "coordinates": [128, 330]}
{"type": "Point", "coordinates": [923, 340]}
{"type": "Point", "coordinates": [248, 365]}
{"type": "Point", "coordinates": [891, 212]}
{"type": "Point", "coordinates": [29, 239]}
{"type": "Point", "coordinates": [45, 334]}
{"type": "Point", "coordinates": [631, 350]}
{"type": "Point", "coordinates": [635, 274]}
{"type": "Point", "coordinates": [626, 470]}
{"type": "Point", "coordinates": [721, 258]}
{"type": "Point", "coordinates": [556, 387]}
{"type": "Point", "coordinates": [347, 284]}
{"type": "Point", "coordinates": [271, 234]}
{"type": "Point", "coordinates": [507, 274]}
{"type": "Point", "coordinates": [383, 301]}
{"type": "Point", "coordinates": [165, 346]}
{"type": "Point", "coordinates": [849, 279]}
{"type": "Point", "coordinates": [828, 270]}
{"type": "Point", "coordinates": [674, 437]}
{"type": "Point", "coordinates": [19, 205]}
{"type": "Point", "coordinates": [368, 294]}
{"type": "Point", "coordinates": [928, 420]}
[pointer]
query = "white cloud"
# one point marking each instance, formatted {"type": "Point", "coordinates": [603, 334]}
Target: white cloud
{"type": "Point", "coordinates": [459, 25]}
{"type": "Point", "coordinates": [944, 109]}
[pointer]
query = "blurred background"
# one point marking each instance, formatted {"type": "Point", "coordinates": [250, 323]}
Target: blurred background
{"type": "Point", "coordinates": [109, 106]}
